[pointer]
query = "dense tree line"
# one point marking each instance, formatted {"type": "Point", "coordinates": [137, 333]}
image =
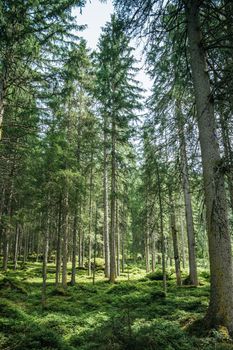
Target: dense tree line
{"type": "Point", "coordinates": [91, 169]}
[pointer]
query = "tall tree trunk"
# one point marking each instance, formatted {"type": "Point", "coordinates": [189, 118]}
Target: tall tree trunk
{"type": "Point", "coordinates": [90, 218]}
{"type": "Point", "coordinates": [80, 238]}
{"type": "Point", "coordinates": [7, 228]}
{"type": "Point", "coordinates": [5, 249]}
{"type": "Point", "coordinates": [123, 239]}
{"type": "Point", "coordinates": [95, 244]}
{"type": "Point", "coordinates": [74, 248]}
{"type": "Point", "coordinates": [65, 240]}
{"type": "Point", "coordinates": [16, 245]}
{"type": "Point", "coordinates": [118, 241]}
{"type": "Point", "coordinates": [220, 311]}
{"type": "Point", "coordinates": [3, 88]}
{"type": "Point", "coordinates": [182, 240]}
{"type": "Point", "coordinates": [153, 252]}
{"type": "Point", "coordinates": [175, 239]}
{"type": "Point", "coordinates": [58, 252]}
{"type": "Point", "coordinates": [113, 205]}
{"type": "Point", "coordinates": [228, 154]}
{"type": "Point", "coordinates": [147, 247]}
{"type": "Point", "coordinates": [187, 199]}
{"type": "Point", "coordinates": [45, 261]}
{"type": "Point", "coordinates": [106, 219]}
{"type": "Point", "coordinates": [163, 246]}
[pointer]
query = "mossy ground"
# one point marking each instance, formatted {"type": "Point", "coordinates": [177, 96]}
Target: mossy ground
{"type": "Point", "coordinates": [132, 314]}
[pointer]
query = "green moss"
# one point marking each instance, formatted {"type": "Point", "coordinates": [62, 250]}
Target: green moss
{"type": "Point", "coordinates": [12, 284]}
{"type": "Point", "coordinates": [157, 276]}
{"type": "Point", "coordinates": [131, 314]}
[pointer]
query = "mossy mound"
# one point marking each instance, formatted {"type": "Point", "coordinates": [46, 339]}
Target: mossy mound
{"type": "Point", "coordinates": [12, 284]}
{"type": "Point", "coordinates": [157, 276]}
{"type": "Point", "coordinates": [122, 288]}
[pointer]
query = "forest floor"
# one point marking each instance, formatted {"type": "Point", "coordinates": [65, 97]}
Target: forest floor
{"type": "Point", "coordinates": [132, 314]}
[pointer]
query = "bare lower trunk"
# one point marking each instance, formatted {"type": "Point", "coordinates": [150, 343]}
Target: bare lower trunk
{"type": "Point", "coordinates": [163, 246]}
{"type": "Point", "coordinates": [65, 241]}
{"type": "Point", "coordinates": [74, 250]}
{"type": "Point", "coordinates": [153, 253]}
{"type": "Point", "coordinates": [220, 310]}
{"type": "Point", "coordinates": [118, 243]}
{"type": "Point", "coordinates": [7, 228]}
{"type": "Point", "coordinates": [227, 153]}
{"type": "Point", "coordinates": [90, 220]}
{"type": "Point", "coordinates": [5, 249]}
{"type": "Point", "coordinates": [58, 252]}
{"type": "Point", "coordinates": [3, 88]}
{"type": "Point", "coordinates": [175, 240]}
{"type": "Point", "coordinates": [16, 246]}
{"type": "Point", "coordinates": [183, 241]}
{"type": "Point", "coordinates": [45, 261]}
{"type": "Point", "coordinates": [147, 249]}
{"type": "Point", "coordinates": [113, 206]}
{"type": "Point", "coordinates": [95, 244]}
{"type": "Point", "coordinates": [106, 211]}
{"type": "Point", "coordinates": [187, 200]}
{"type": "Point", "coordinates": [80, 239]}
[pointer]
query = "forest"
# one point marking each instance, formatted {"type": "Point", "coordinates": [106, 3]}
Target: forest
{"type": "Point", "coordinates": [116, 201]}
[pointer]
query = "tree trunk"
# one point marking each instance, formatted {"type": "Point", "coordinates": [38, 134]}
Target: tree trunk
{"type": "Point", "coordinates": [118, 242]}
{"type": "Point", "coordinates": [147, 248]}
{"type": "Point", "coordinates": [187, 199]}
{"type": "Point", "coordinates": [7, 228]}
{"type": "Point", "coordinates": [227, 154]}
{"type": "Point", "coordinates": [90, 219]}
{"type": "Point", "coordinates": [3, 87]}
{"type": "Point", "coordinates": [95, 244]}
{"type": "Point", "coordinates": [163, 246]}
{"type": "Point", "coordinates": [153, 252]}
{"type": "Point", "coordinates": [106, 221]}
{"type": "Point", "coordinates": [5, 249]}
{"type": "Point", "coordinates": [65, 240]}
{"type": "Point", "coordinates": [74, 248]}
{"type": "Point", "coordinates": [175, 239]}
{"type": "Point", "coordinates": [80, 238]}
{"type": "Point", "coordinates": [58, 252]}
{"type": "Point", "coordinates": [113, 206]}
{"type": "Point", "coordinates": [17, 230]}
{"type": "Point", "coordinates": [123, 240]}
{"type": "Point", "coordinates": [45, 261]}
{"type": "Point", "coordinates": [182, 240]}
{"type": "Point", "coordinates": [220, 311]}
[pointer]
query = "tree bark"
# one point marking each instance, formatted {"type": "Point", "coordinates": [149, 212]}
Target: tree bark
{"type": "Point", "coordinates": [187, 199]}
{"type": "Point", "coordinates": [74, 248]}
{"type": "Point", "coordinates": [65, 240]}
{"type": "Point", "coordinates": [147, 247]}
{"type": "Point", "coordinates": [16, 245]}
{"type": "Point", "coordinates": [45, 261]}
{"type": "Point", "coordinates": [3, 88]}
{"type": "Point", "coordinates": [113, 204]}
{"type": "Point", "coordinates": [58, 252]}
{"type": "Point", "coordinates": [182, 240]}
{"type": "Point", "coordinates": [106, 211]}
{"type": "Point", "coordinates": [118, 241]}
{"type": "Point", "coordinates": [175, 239]}
{"type": "Point", "coordinates": [163, 246]}
{"type": "Point", "coordinates": [7, 228]}
{"type": "Point", "coordinates": [220, 311]}
{"type": "Point", "coordinates": [153, 252]}
{"type": "Point", "coordinates": [90, 219]}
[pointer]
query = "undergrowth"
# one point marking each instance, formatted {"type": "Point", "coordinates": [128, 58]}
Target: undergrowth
{"type": "Point", "coordinates": [132, 314]}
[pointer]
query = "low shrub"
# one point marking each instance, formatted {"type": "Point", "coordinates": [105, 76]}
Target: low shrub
{"type": "Point", "coordinates": [157, 276]}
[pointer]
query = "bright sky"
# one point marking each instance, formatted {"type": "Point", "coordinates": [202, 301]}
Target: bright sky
{"type": "Point", "coordinates": [95, 15]}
